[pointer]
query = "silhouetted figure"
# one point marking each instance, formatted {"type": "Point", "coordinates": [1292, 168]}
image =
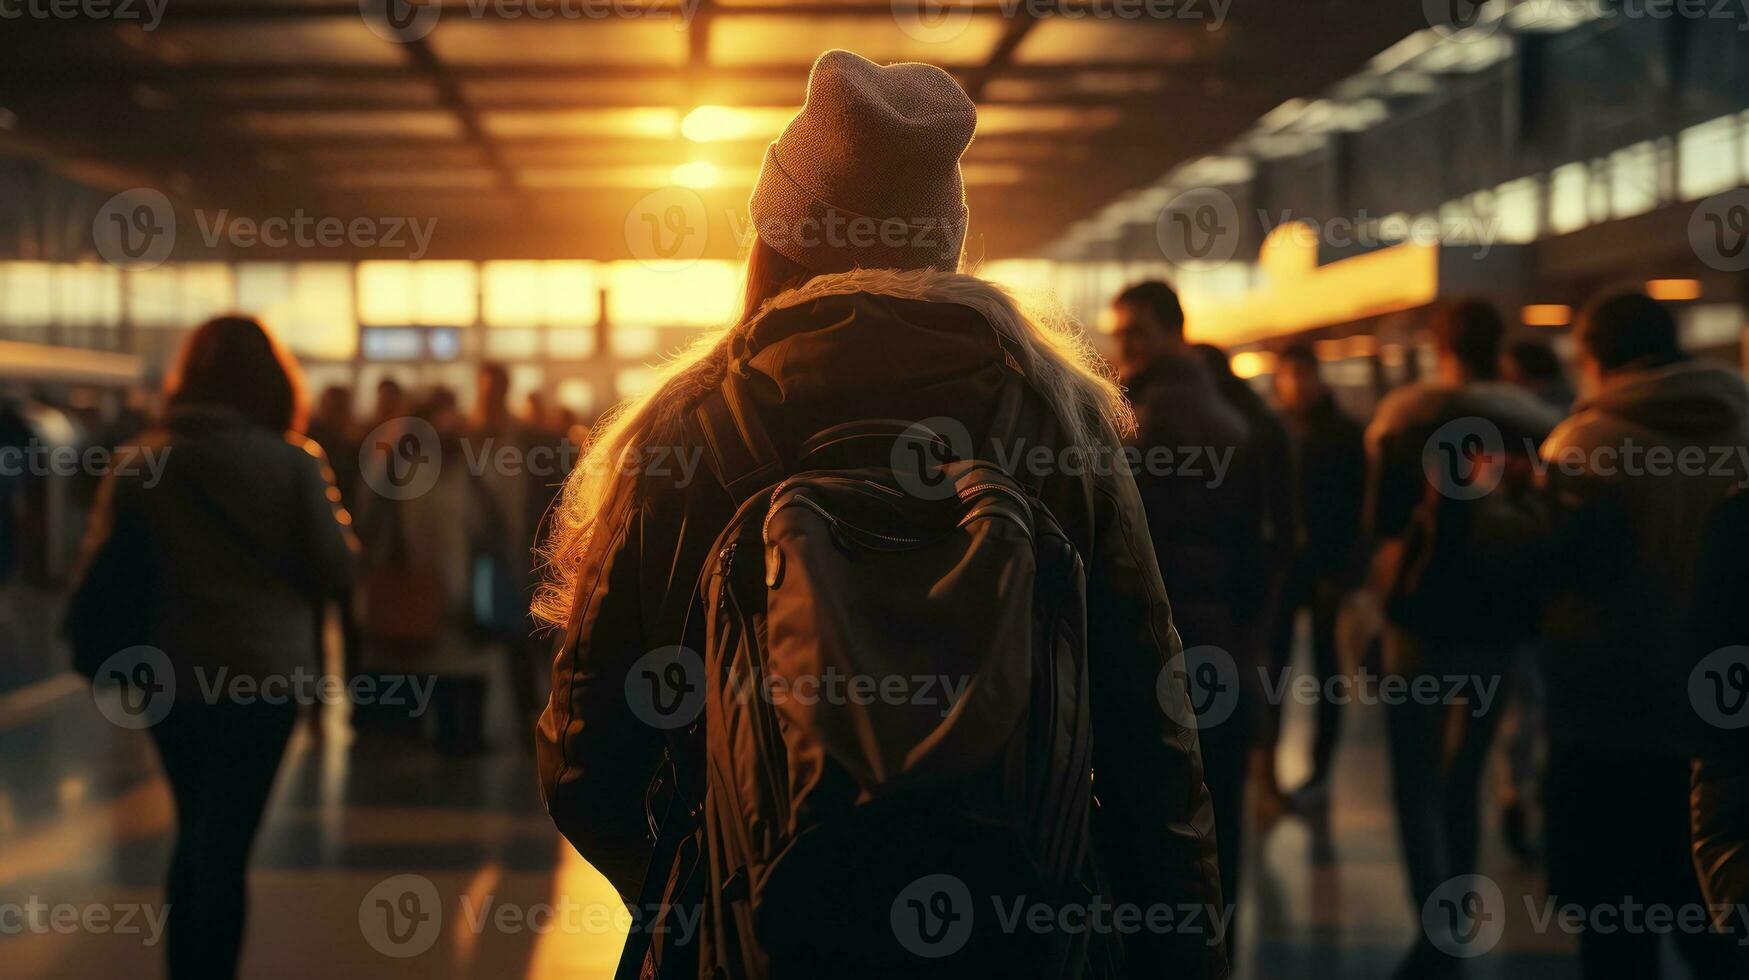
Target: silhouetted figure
{"type": "Point", "coordinates": [1719, 799]}
{"type": "Point", "coordinates": [1462, 536]}
{"type": "Point", "coordinates": [837, 340]}
{"type": "Point", "coordinates": [1327, 457]}
{"type": "Point", "coordinates": [514, 489]}
{"type": "Point", "coordinates": [1204, 502]}
{"type": "Point", "coordinates": [1622, 724]}
{"type": "Point", "coordinates": [1534, 366]}
{"type": "Point", "coordinates": [241, 540]}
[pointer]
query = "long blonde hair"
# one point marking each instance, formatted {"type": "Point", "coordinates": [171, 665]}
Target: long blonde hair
{"type": "Point", "coordinates": [1060, 362]}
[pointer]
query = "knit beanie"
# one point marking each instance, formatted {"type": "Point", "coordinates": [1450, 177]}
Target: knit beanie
{"type": "Point", "coordinates": [867, 175]}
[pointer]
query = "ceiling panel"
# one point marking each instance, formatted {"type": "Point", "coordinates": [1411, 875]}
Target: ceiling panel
{"type": "Point", "coordinates": [560, 42]}
{"type": "Point", "coordinates": [416, 124]}
{"type": "Point", "coordinates": [340, 40]}
{"type": "Point", "coordinates": [1058, 41]}
{"type": "Point", "coordinates": [630, 123]}
{"type": "Point", "coordinates": [797, 40]}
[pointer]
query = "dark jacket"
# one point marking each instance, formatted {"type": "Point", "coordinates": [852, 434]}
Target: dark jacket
{"type": "Point", "coordinates": [1620, 628]}
{"type": "Point", "coordinates": [1202, 491]}
{"type": "Point", "coordinates": [814, 365]}
{"type": "Point", "coordinates": [247, 536]}
{"type": "Point", "coordinates": [1720, 798]}
{"type": "Point", "coordinates": [1329, 486]}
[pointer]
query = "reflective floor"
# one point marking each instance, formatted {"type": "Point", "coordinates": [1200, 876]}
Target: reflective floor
{"type": "Point", "coordinates": [85, 822]}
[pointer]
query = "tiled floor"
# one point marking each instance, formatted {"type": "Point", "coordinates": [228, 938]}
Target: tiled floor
{"type": "Point", "coordinates": [85, 817]}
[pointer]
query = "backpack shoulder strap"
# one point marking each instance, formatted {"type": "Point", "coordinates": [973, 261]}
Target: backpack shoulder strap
{"type": "Point", "coordinates": [737, 447]}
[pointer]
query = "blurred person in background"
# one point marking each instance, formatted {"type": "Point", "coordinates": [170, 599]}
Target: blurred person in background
{"type": "Point", "coordinates": [1207, 526]}
{"type": "Point", "coordinates": [391, 403]}
{"type": "Point", "coordinates": [241, 540]}
{"type": "Point", "coordinates": [1620, 630]}
{"type": "Point", "coordinates": [1462, 537]}
{"type": "Point", "coordinates": [1327, 462]}
{"type": "Point", "coordinates": [1263, 568]}
{"type": "Point", "coordinates": [1534, 366]}
{"type": "Point", "coordinates": [514, 488]}
{"type": "Point", "coordinates": [419, 550]}
{"type": "Point", "coordinates": [832, 334]}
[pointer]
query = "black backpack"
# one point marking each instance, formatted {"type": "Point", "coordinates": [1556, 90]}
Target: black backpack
{"type": "Point", "coordinates": [897, 732]}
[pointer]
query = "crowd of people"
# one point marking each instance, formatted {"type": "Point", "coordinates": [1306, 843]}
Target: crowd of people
{"type": "Point", "coordinates": [1105, 634]}
{"type": "Point", "coordinates": [1555, 591]}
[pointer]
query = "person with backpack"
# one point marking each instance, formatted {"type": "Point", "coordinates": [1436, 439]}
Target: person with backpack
{"type": "Point", "coordinates": [1461, 535]}
{"type": "Point", "coordinates": [1636, 474]}
{"type": "Point", "coordinates": [895, 650]}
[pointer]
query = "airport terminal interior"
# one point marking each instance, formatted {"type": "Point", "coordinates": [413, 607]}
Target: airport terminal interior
{"type": "Point", "coordinates": [467, 218]}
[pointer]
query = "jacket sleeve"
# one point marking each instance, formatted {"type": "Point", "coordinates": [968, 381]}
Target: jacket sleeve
{"type": "Point", "coordinates": [329, 548]}
{"type": "Point", "coordinates": [1720, 808]}
{"type": "Point", "coordinates": [595, 757]}
{"type": "Point", "coordinates": [1154, 826]}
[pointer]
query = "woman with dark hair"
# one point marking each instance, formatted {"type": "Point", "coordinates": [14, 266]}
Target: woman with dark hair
{"type": "Point", "coordinates": [857, 318]}
{"type": "Point", "coordinates": [234, 547]}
